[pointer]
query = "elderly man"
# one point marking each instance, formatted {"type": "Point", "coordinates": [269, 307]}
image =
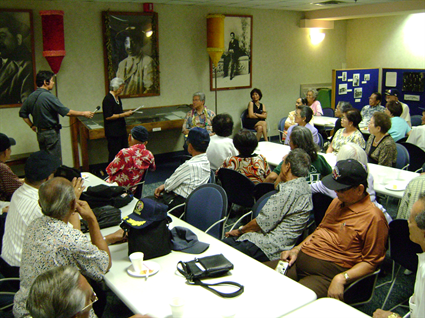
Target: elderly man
{"type": "Point", "coordinates": [199, 116]}
{"type": "Point", "coordinates": [417, 235]}
{"type": "Point", "coordinates": [350, 241]}
{"type": "Point", "coordinates": [189, 175]}
{"type": "Point", "coordinates": [16, 71]}
{"type": "Point", "coordinates": [393, 95]}
{"type": "Point", "coordinates": [62, 292]}
{"type": "Point", "coordinates": [44, 108]}
{"type": "Point", "coordinates": [374, 106]}
{"type": "Point", "coordinates": [413, 191]}
{"type": "Point", "coordinates": [283, 218]}
{"type": "Point", "coordinates": [50, 241]}
{"type": "Point", "coordinates": [130, 164]}
{"type": "Point", "coordinates": [137, 69]}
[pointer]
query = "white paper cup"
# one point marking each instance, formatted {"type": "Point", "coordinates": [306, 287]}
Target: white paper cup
{"type": "Point", "coordinates": [383, 179]}
{"type": "Point", "coordinates": [177, 307]}
{"type": "Point", "coordinates": [137, 261]}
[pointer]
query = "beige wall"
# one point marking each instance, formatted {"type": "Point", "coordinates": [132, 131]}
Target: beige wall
{"type": "Point", "coordinates": [283, 58]}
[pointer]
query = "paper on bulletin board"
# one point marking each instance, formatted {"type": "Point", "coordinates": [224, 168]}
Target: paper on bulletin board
{"type": "Point", "coordinates": [342, 89]}
{"type": "Point", "coordinates": [391, 79]}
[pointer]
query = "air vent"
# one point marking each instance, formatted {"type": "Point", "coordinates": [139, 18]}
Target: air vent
{"type": "Point", "coordinates": [329, 3]}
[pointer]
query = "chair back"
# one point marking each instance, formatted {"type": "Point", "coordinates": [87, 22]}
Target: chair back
{"type": "Point", "coordinates": [261, 202]}
{"type": "Point", "coordinates": [321, 203]}
{"type": "Point", "coordinates": [139, 190]}
{"type": "Point", "coordinates": [239, 189]}
{"type": "Point", "coordinates": [362, 290]}
{"type": "Point", "coordinates": [402, 250]}
{"type": "Point", "coordinates": [281, 127]}
{"type": "Point", "coordinates": [243, 117]}
{"type": "Point", "coordinates": [212, 176]}
{"type": "Point", "coordinates": [262, 188]}
{"type": "Point", "coordinates": [403, 158]}
{"type": "Point", "coordinates": [321, 142]}
{"type": "Point", "coordinates": [329, 112]}
{"type": "Point", "coordinates": [416, 155]}
{"type": "Point", "coordinates": [206, 205]}
{"type": "Point", "coordinates": [416, 120]}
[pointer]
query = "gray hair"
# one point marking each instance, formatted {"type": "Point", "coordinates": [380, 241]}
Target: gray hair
{"type": "Point", "coordinates": [201, 96]}
{"type": "Point", "coordinates": [56, 294]}
{"type": "Point", "coordinates": [353, 151]}
{"type": "Point", "coordinates": [55, 197]}
{"type": "Point", "coordinates": [300, 162]}
{"type": "Point", "coordinates": [344, 106]}
{"type": "Point", "coordinates": [116, 83]}
{"type": "Point", "coordinates": [420, 217]}
{"type": "Point", "coordinates": [314, 91]}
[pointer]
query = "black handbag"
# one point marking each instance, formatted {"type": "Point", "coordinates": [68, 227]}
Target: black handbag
{"type": "Point", "coordinates": [101, 195]}
{"type": "Point", "coordinates": [209, 267]}
{"type": "Point", "coordinates": [67, 172]}
{"type": "Point", "coordinates": [106, 216]}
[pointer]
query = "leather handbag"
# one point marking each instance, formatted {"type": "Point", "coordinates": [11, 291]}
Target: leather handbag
{"type": "Point", "coordinates": [209, 267]}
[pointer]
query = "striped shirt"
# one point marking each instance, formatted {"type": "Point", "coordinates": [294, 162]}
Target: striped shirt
{"type": "Point", "coordinates": [189, 176]}
{"type": "Point", "coordinates": [23, 210]}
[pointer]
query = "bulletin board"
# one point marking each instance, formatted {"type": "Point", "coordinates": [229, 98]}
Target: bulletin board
{"type": "Point", "coordinates": [411, 85]}
{"type": "Point", "coordinates": [354, 86]}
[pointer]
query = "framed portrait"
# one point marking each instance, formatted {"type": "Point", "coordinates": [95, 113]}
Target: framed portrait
{"type": "Point", "coordinates": [234, 69]}
{"type": "Point", "coordinates": [131, 52]}
{"type": "Point", "coordinates": [17, 63]}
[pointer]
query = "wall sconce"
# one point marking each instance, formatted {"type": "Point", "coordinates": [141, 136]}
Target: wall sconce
{"type": "Point", "coordinates": [315, 27]}
{"type": "Point", "coordinates": [316, 36]}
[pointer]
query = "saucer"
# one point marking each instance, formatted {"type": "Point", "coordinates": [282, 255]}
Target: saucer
{"type": "Point", "coordinates": [153, 268]}
{"type": "Point", "coordinates": [396, 185]}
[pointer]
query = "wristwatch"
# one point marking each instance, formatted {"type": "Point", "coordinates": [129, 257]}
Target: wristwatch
{"type": "Point", "coordinates": [347, 277]}
{"type": "Point", "coordinates": [240, 229]}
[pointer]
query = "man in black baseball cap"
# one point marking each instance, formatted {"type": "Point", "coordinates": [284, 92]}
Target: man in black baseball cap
{"type": "Point", "coordinates": [9, 181]}
{"type": "Point", "coordinates": [394, 94]}
{"type": "Point", "coordinates": [350, 241]}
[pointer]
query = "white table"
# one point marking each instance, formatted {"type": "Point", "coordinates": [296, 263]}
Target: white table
{"type": "Point", "coordinates": [324, 121]}
{"type": "Point", "coordinates": [326, 308]}
{"type": "Point", "coordinates": [273, 293]}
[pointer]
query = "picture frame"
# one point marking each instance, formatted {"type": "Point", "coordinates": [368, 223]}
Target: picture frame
{"type": "Point", "coordinates": [234, 70]}
{"type": "Point", "coordinates": [17, 66]}
{"type": "Point", "coordinates": [131, 52]}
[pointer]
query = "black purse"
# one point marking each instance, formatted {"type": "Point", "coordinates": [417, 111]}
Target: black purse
{"type": "Point", "coordinates": [209, 267]}
{"type": "Point", "coordinates": [106, 216]}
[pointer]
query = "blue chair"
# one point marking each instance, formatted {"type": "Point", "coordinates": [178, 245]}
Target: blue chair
{"type": "Point", "coordinates": [212, 176]}
{"type": "Point", "coordinates": [7, 293]}
{"type": "Point", "coordinates": [321, 142]}
{"type": "Point", "coordinates": [243, 117]}
{"type": "Point", "coordinates": [403, 158]}
{"type": "Point", "coordinates": [206, 209]}
{"type": "Point", "coordinates": [281, 128]}
{"type": "Point", "coordinates": [262, 188]}
{"type": "Point", "coordinates": [416, 120]}
{"type": "Point", "coordinates": [416, 156]}
{"type": "Point", "coordinates": [329, 112]}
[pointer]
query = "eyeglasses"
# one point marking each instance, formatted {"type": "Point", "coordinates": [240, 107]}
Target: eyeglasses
{"type": "Point", "coordinates": [93, 299]}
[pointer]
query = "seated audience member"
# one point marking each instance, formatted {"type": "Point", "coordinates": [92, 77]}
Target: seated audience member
{"type": "Point", "coordinates": [399, 127]}
{"type": "Point", "coordinates": [284, 216]}
{"type": "Point", "coordinates": [301, 138]}
{"type": "Point", "coordinates": [189, 175]}
{"type": "Point", "coordinates": [62, 292]}
{"type": "Point", "coordinates": [393, 95]}
{"type": "Point", "coordinates": [303, 116]}
{"type": "Point", "coordinates": [253, 166]}
{"type": "Point", "coordinates": [350, 241]}
{"type": "Point", "coordinates": [340, 109]}
{"type": "Point", "coordinates": [417, 235]}
{"type": "Point", "coordinates": [9, 181]}
{"type": "Point", "coordinates": [24, 208]}
{"type": "Point", "coordinates": [373, 107]}
{"type": "Point", "coordinates": [417, 134]}
{"type": "Point", "coordinates": [413, 190]}
{"type": "Point", "coordinates": [380, 147]}
{"type": "Point", "coordinates": [352, 151]}
{"type": "Point", "coordinates": [314, 104]}
{"type": "Point", "coordinates": [350, 133]}
{"type": "Point", "coordinates": [199, 116]}
{"type": "Point", "coordinates": [290, 120]}
{"type": "Point", "coordinates": [256, 115]}
{"type": "Point", "coordinates": [50, 241]}
{"type": "Point", "coordinates": [130, 164]}
{"type": "Point", "coordinates": [221, 145]}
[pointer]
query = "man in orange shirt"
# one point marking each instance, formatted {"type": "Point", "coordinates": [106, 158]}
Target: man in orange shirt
{"type": "Point", "coordinates": [350, 241]}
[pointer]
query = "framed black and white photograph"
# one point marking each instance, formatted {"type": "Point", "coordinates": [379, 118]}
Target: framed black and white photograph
{"type": "Point", "coordinates": [356, 79]}
{"type": "Point", "coordinates": [17, 63]}
{"type": "Point", "coordinates": [234, 69]}
{"type": "Point", "coordinates": [131, 52]}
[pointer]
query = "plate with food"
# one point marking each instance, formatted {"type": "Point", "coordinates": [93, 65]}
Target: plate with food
{"type": "Point", "coordinates": [149, 268]}
{"type": "Point", "coordinates": [396, 185]}
{"type": "Point", "coordinates": [84, 176]}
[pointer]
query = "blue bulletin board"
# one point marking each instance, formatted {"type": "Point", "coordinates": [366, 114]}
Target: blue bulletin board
{"type": "Point", "coordinates": [354, 86]}
{"type": "Point", "coordinates": [411, 85]}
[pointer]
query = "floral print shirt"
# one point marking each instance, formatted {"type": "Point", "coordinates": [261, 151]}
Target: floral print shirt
{"type": "Point", "coordinates": [340, 140]}
{"type": "Point", "coordinates": [255, 167]}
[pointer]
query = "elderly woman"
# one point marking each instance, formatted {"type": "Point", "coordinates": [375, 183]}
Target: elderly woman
{"type": "Point", "coordinates": [113, 118]}
{"type": "Point", "coordinates": [51, 242]}
{"type": "Point", "coordinates": [350, 122]}
{"type": "Point", "coordinates": [303, 116]}
{"type": "Point", "coordinates": [340, 109]}
{"type": "Point", "coordinates": [314, 104]}
{"type": "Point", "coordinates": [301, 138]}
{"type": "Point", "coordinates": [399, 127]}
{"type": "Point", "coordinates": [380, 147]}
{"type": "Point", "coordinates": [257, 114]}
{"type": "Point", "coordinates": [290, 120]}
{"type": "Point", "coordinates": [254, 166]}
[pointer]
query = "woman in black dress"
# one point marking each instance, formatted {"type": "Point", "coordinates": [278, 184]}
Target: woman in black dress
{"type": "Point", "coordinates": [113, 118]}
{"type": "Point", "coordinates": [257, 114]}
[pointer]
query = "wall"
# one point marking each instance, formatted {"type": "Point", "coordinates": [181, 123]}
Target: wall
{"type": "Point", "coordinates": [283, 58]}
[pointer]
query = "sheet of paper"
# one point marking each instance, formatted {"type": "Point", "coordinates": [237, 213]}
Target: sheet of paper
{"type": "Point", "coordinates": [391, 79]}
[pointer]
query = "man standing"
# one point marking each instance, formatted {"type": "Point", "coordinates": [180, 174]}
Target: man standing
{"type": "Point", "coordinates": [232, 56]}
{"type": "Point", "coordinates": [374, 106]}
{"type": "Point", "coordinates": [137, 69]}
{"type": "Point", "coordinates": [44, 108]}
{"type": "Point", "coordinates": [283, 218]}
{"type": "Point", "coordinates": [189, 175]}
{"type": "Point", "coordinates": [350, 241]}
{"type": "Point", "coordinates": [392, 95]}
{"type": "Point", "coordinates": [16, 69]}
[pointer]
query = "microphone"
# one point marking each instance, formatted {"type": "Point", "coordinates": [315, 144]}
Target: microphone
{"type": "Point", "coordinates": [96, 110]}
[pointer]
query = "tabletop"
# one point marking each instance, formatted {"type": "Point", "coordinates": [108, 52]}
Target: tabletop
{"type": "Point", "coordinates": [324, 121]}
